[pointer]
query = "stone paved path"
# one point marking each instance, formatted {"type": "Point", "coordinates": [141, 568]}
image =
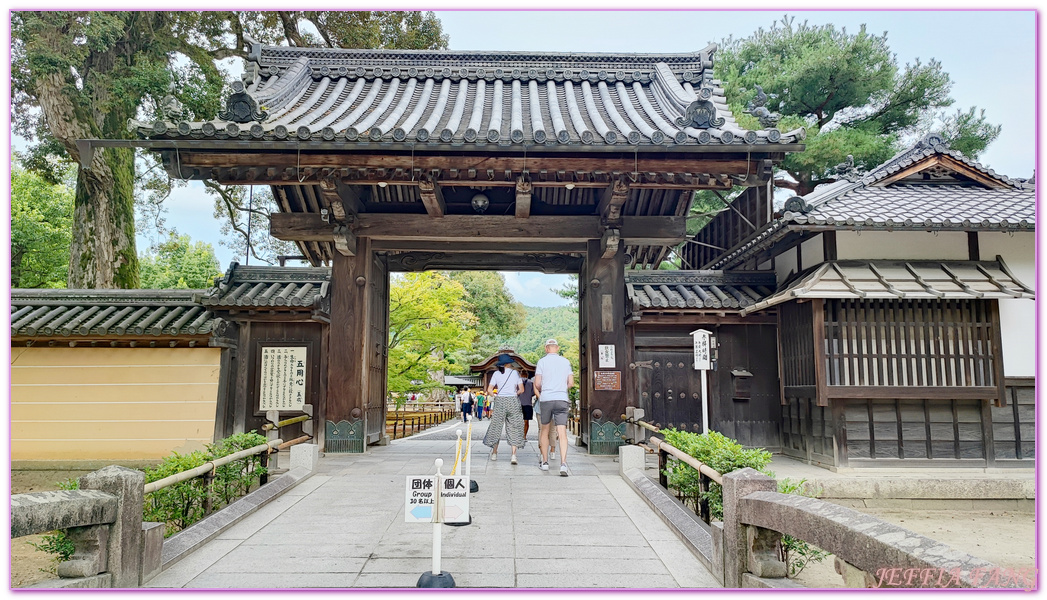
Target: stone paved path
{"type": "Point", "coordinates": [344, 527]}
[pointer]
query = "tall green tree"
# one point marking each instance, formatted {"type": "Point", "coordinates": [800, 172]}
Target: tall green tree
{"type": "Point", "coordinates": [428, 320]}
{"type": "Point", "coordinates": [499, 315]}
{"type": "Point", "coordinates": [83, 74]}
{"type": "Point", "coordinates": [41, 229]}
{"type": "Point", "coordinates": [850, 93]}
{"type": "Point", "coordinates": [179, 263]}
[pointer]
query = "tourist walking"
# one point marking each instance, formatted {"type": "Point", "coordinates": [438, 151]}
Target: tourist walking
{"type": "Point", "coordinates": [478, 410]}
{"type": "Point", "coordinates": [527, 402]}
{"type": "Point", "coordinates": [506, 408]}
{"type": "Point", "coordinates": [465, 401]}
{"type": "Point", "coordinates": [552, 379]}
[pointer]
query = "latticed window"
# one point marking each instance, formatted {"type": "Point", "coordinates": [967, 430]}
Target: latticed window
{"type": "Point", "coordinates": [932, 343]}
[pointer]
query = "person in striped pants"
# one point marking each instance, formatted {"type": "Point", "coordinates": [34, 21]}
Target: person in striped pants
{"type": "Point", "coordinates": [506, 412]}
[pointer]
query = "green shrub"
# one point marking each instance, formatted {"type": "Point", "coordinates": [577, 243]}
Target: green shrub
{"type": "Point", "coordinates": [716, 450]}
{"type": "Point", "coordinates": [235, 479]}
{"type": "Point", "coordinates": [179, 505]}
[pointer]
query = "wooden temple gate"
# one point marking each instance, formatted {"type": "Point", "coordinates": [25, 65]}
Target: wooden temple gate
{"type": "Point", "coordinates": [386, 161]}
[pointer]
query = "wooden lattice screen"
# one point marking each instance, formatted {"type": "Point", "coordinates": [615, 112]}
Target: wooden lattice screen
{"type": "Point", "coordinates": [932, 343]}
{"type": "Point", "coordinates": [796, 336]}
{"type": "Point", "coordinates": [748, 212]}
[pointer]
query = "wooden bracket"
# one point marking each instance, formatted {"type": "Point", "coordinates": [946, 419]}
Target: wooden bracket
{"type": "Point", "coordinates": [345, 240]}
{"type": "Point", "coordinates": [613, 200]}
{"type": "Point", "coordinates": [432, 197]}
{"type": "Point", "coordinates": [523, 197]}
{"type": "Point", "coordinates": [609, 243]}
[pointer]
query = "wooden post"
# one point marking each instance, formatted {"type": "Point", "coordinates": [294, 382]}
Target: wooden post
{"type": "Point", "coordinates": [605, 314]}
{"type": "Point", "coordinates": [347, 360]}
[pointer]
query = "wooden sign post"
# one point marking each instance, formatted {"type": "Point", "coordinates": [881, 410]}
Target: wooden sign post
{"type": "Point", "coordinates": [703, 362]}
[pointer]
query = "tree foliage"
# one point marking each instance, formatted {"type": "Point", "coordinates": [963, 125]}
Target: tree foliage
{"type": "Point", "coordinates": [848, 90]}
{"type": "Point", "coordinates": [83, 74]}
{"type": "Point", "coordinates": [179, 263]}
{"type": "Point", "coordinates": [41, 228]}
{"type": "Point", "coordinates": [428, 320]}
{"type": "Point", "coordinates": [498, 314]}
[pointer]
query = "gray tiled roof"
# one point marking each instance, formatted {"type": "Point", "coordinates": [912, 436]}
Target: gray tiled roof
{"type": "Point", "coordinates": [907, 280]}
{"type": "Point", "coordinates": [107, 313]}
{"type": "Point", "coordinates": [926, 206]}
{"type": "Point", "coordinates": [697, 289]}
{"type": "Point", "coordinates": [405, 97]}
{"type": "Point", "coordinates": [246, 286]}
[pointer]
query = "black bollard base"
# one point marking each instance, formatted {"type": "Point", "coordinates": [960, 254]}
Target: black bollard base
{"type": "Point", "coordinates": [469, 522]}
{"type": "Point", "coordinates": [473, 486]}
{"type": "Point", "coordinates": [442, 579]}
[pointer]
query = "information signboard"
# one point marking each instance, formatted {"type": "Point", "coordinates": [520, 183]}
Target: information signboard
{"type": "Point", "coordinates": [610, 381]}
{"type": "Point", "coordinates": [282, 378]}
{"type": "Point", "coordinates": [421, 499]}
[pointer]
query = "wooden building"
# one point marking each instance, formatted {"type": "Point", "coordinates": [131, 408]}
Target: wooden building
{"type": "Point", "coordinates": [385, 161]}
{"type": "Point", "coordinates": [905, 324]}
{"type": "Point", "coordinates": [487, 366]}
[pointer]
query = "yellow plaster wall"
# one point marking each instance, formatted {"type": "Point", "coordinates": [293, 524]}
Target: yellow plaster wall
{"type": "Point", "coordinates": [111, 403]}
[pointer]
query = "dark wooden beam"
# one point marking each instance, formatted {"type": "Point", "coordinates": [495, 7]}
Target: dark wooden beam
{"type": "Point", "coordinates": [610, 242]}
{"type": "Point", "coordinates": [973, 250]}
{"type": "Point", "coordinates": [432, 197]}
{"type": "Point", "coordinates": [912, 392]}
{"type": "Point", "coordinates": [627, 164]}
{"type": "Point", "coordinates": [467, 246]}
{"type": "Point", "coordinates": [523, 197]}
{"type": "Point", "coordinates": [345, 241]}
{"type": "Point", "coordinates": [653, 231]}
{"type": "Point", "coordinates": [436, 261]}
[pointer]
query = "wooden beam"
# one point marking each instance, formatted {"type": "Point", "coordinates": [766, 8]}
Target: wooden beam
{"type": "Point", "coordinates": [523, 197]}
{"type": "Point", "coordinates": [612, 200]}
{"type": "Point", "coordinates": [533, 164]}
{"type": "Point", "coordinates": [653, 231]}
{"type": "Point", "coordinates": [468, 246]}
{"type": "Point", "coordinates": [432, 197]}
{"type": "Point", "coordinates": [428, 261]}
{"type": "Point", "coordinates": [912, 392]}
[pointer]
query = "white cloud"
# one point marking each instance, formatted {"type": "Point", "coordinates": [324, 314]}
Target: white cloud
{"type": "Point", "coordinates": [535, 289]}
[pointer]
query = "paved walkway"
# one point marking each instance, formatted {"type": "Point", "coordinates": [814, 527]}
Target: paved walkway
{"type": "Point", "coordinates": [344, 527]}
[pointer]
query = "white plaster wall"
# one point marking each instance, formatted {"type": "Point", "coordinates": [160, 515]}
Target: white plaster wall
{"type": "Point", "coordinates": [812, 252]}
{"type": "Point", "coordinates": [912, 245]}
{"type": "Point", "coordinates": [1017, 317]}
{"type": "Point", "coordinates": [764, 266]}
{"type": "Point", "coordinates": [785, 264]}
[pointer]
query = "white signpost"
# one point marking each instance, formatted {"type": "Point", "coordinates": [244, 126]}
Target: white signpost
{"type": "Point", "coordinates": [703, 361]}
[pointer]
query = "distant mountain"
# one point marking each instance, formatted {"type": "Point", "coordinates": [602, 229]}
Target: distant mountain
{"type": "Point", "coordinates": [560, 322]}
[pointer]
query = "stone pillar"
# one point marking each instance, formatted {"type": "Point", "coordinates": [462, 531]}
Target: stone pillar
{"type": "Point", "coordinates": [631, 457]}
{"type": "Point", "coordinates": [125, 536]}
{"type": "Point", "coordinates": [737, 485]}
{"type": "Point", "coordinates": [604, 298]}
{"type": "Point", "coordinates": [347, 356]}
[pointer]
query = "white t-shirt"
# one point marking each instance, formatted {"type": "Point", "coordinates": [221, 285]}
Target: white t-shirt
{"type": "Point", "coordinates": [506, 383]}
{"type": "Point", "coordinates": [554, 370]}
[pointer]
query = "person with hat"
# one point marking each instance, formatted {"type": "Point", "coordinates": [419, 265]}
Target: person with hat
{"type": "Point", "coordinates": [505, 385]}
{"type": "Point", "coordinates": [552, 379]}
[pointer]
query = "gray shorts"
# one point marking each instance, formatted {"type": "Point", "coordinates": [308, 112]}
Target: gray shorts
{"type": "Point", "coordinates": [554, 410]}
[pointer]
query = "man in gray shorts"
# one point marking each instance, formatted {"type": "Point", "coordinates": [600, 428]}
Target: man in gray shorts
{"type": "Point", "coordinates": [552, 379]}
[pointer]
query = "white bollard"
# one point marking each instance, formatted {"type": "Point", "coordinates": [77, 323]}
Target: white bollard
{"type": "Point", "coordinates": [437, 519]}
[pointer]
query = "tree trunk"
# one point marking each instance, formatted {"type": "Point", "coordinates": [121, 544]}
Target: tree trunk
{"type": "Point", "coordinates": [16, 265]}
{"type": "Point", "coordinates": [103, 253]}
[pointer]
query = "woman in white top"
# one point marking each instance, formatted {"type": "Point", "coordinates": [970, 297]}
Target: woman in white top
{"type": "Point", "coordinates": [506, 408]}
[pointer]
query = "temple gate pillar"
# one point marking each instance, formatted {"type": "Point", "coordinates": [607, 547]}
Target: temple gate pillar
{"type": "Point", "coordinates": [606, 377]}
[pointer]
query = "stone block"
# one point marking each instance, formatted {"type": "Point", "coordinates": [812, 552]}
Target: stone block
{"type": "Point", "coordinates": [737, 485]}
{"type": "Point", "coordinates": [762, 552]}
{"type": "Point", "coordinates": [152, 551]}
{"type": "Point", "coordinates": [306, 456]}
{"type": "Point", "coordinates": [630, 457]}
{"type": "Point", "coordinates": [716, 528]}
{"type": "Point", "coordinates": [38, 512]}
{"type": "Point", "coordinates": [102, 580]}
{"type": "Point", "coordinates": [89, 556]}
{"type": "Point", "coordinates": [125, 536]}
{"type": "Point", "coordinates": [853, 577]}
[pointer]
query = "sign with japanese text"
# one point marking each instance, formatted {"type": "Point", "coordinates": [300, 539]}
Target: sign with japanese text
{"type": "Point", "coordinates": [703, 360]}
{"type": "Point", "coordinates": [609, 381]}
{"type": "Point", "coordinates": [606, 354]}
{"type": "Point", "coordinates": [454, 499]}
{"type": "Point", "coordinates": [283, 376]}
{"type": "Point", "coordinates": [421, 499]}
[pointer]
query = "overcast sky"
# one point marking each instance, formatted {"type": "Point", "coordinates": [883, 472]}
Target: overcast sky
{"type": "Point", "coordinates": [989, 55]}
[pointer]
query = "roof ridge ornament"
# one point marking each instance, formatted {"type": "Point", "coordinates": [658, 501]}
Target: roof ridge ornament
{"type": "Point", "coordinates": [757, 108]}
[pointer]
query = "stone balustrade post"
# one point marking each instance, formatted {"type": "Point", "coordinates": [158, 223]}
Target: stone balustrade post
{"type": "Point", "coordinates": [125, 534]}
{"type": "Point", "coordinates": [736, 537]}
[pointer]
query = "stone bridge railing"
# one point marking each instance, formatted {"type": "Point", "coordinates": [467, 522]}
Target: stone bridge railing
{"type": "Point", "coordinates": [743, 550]}
{"type": "Point", "coordinates": [103, 519]}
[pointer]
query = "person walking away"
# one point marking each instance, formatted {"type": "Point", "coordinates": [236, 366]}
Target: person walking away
{"type": "Point", "coordinates": [527, 402]}
{"type": "Point", "coordinates": [478, 409]}
{"type": "Point", "coordinates": [552, 379]}
{"type": "Point", "coordinates": [465, 399]}
{"type": "Point", "coordinates": [506, 410]}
